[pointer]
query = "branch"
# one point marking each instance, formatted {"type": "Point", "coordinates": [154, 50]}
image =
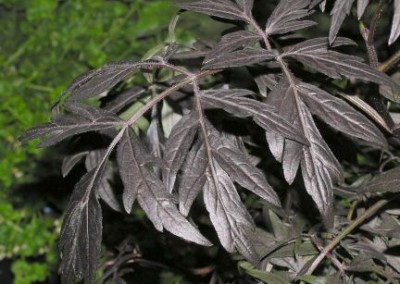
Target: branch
{"type": "Point", "coordinates": [361, 219]}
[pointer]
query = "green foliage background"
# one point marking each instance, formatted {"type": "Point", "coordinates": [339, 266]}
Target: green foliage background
{"type": "Point", "coordinates": [44, 45]}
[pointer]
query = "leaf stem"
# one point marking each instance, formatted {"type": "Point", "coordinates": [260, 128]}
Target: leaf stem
{"type": "Point", "coordinates": [361, 219]}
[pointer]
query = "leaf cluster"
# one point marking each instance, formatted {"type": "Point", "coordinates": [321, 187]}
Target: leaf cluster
{"type": "Point", "coordinates": [208, 152]}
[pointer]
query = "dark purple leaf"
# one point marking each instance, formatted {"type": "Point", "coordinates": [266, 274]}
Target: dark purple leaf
{"type": "Point", "coordinates": [227, 213]}
{"type": "Point", "coordinates": [287, 17]}
{"type": "Point", "coordinates": [341, 116]}
{"type": "Point", "coordinates": [231, 42]}
{"type": "Point", "coordinates": [177, 146]}
{"type": "Point", "coordinates": [64, 126]}
{"type": "Point", "coordinates": [261, 113]}
{"type": "Point", "coordinates": [244, 57]}
{"type": "Point", "coordinates": [319, 167]}
{"type": "Point", "coordinates": [193, 177]}
{"type": "Point", "coordinates": [151, 193]}
{"type": "Point", "coordinates": [124, 99]}
{"type": "Point", "coordinates": [129, 150]}
{"type": "Point", "coordinates": [218, 8]}
{"type": "Point", "coordinates": [388, 181]}
{"type": "Point", "coordinates": [80, 236]}
{"type": "Point", "coordinates": [335, 64]}
{"type": "Point", "coordinates": [104, 189]}
{"type": "Point", "coordinates": [339, 12]}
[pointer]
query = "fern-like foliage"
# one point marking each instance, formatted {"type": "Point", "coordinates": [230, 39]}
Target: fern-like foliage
{"type": "Point", "coordinates": [166, 171]}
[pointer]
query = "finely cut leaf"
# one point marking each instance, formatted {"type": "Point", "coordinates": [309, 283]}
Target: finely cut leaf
{"type": "Point", "coordinates": [261, 113]}
{"type": "Point", "coordinates": [98, 81]}
{"type": "Point", "coordinates": [63, 126]}
{"type": "Point", "coordinates": [244, 57]}
{"type": "Point", "coordinates": [282, 99]}
{"type": "Point", "coordinates": [335, 64]}
{"type": "Point", "coordinates": [319, 167]}
{"type": "Point", "coordinates": [177, 147]}
{"type": "Point", "coordinates": [227, 213]}
{"type": "Point", "coordinates": [395, 31]}
{"type": "Point", "coordinates": [130, 149]}
{"type": "Point", "coordinates": [231, 42]}
{"type": "Point", "coordinates": [218, 8]}
{"type": "Point", "coordinates": [388, 181]}
{"type": "Point", "coordinates": [240, 169]}
{"type": "Point", "coordinates": [287, 17]}
{"type": "Point", "coordinates": [124, 99]}
{"type": "Point", "coordinates": [80, 236]}
{"type": "Point", "coordinates": [339, 12]}
{"type": "Point", "coordinates": [340, 115]}
{"type": "Point", "coordinates": [151, 192]}
{"type": "Point", "coordinates": [193, 178]}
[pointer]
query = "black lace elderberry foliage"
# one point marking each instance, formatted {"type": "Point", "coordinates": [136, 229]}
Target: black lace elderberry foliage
{"type": "Point", "coordinates": [166, 171]}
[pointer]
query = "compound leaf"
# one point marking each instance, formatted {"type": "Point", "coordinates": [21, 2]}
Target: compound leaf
{"type": "Point", "coordinates": [97, 81]}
